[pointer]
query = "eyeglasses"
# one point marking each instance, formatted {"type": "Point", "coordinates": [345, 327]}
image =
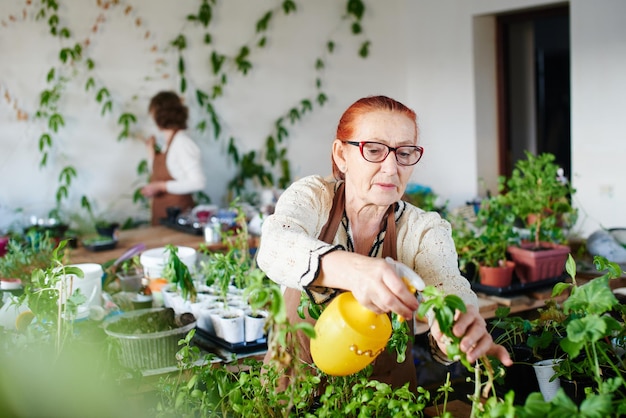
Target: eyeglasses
{"type": "Point", "coordinates": [375, 152]}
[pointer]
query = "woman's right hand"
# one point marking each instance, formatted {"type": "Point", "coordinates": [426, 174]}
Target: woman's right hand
{"type": "Point", "coordinates": [373, 282]}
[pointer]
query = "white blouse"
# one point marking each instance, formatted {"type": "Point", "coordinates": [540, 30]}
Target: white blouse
{"type": "Point", "coordinates": [184, 162]}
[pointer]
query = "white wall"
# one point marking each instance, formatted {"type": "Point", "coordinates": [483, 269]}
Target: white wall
{"type": "Point", "coordinates": [441, 87]}
{"type": "Point", "coordinates": [422, 53]}
{"type": "Point", "coordinates": [122, 48]}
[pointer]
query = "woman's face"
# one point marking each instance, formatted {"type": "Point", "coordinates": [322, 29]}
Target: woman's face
{"type": "Point", "coordinates": [381, 183]}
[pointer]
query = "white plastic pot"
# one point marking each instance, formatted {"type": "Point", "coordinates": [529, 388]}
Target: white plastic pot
{"type": "Point", "coordinates": [155, 259]}
{"type": "Point", "coordinates": [90, 286]}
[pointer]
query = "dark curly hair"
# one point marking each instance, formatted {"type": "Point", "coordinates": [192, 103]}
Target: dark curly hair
{"type": "Point", "coordinates": [168, 110]}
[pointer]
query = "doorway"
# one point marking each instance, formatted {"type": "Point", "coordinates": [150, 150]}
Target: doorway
{"type": "Point", "coordinates": [533, 72]}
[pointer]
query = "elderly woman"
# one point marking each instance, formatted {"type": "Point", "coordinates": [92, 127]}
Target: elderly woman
{"type": "Point", "coordinates": [332, 235]}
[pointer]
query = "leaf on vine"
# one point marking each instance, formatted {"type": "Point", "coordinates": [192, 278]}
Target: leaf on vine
{"type": "Point", "coordinates": [61, 193]}
{"type": "Point", "coordinates": [44, 160]}
{"type": "Point", "coordinates": [180, 42]}
{"type": "Point", "coordinates": [263, 23]}
{"type": "Point", "coordinates": [50, 75]}
{"type": "Point", "coordinates": [205, 14]}
{"type": "Point", "coordinates": [232, 150]}
{"type": "Point", "coordinates": [356, 8]}
{"type": "Point", "coordinates": [365, 49]}
{"type": "Point", "coordinates": [321, 99]}
{"type": "Point", "coordinates": [44, 140]}
{"type": "Point", "coordinates": [289, 6]}
{"type": "Point", "coordinates": [102, 93]}
{"type": "Point", "coordinates": [201, 97]}
{"type": "Point", "coordinates": [307, 106]}
{"type": "Point", "coordinates": [294, 115]}
{"type": "Point", "coordinates": [107, 107]}
{"type": "Point", "coordinates": [142, 167]}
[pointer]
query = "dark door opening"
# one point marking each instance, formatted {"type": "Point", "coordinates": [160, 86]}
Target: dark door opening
{"type": "Point", "coordinates": [534, 83]}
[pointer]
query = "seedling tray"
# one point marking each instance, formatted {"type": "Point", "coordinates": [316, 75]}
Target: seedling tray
{"type": "Point", "coordinates": [517, 288]}
{"type": "Point", "coordinates": [206, 340]}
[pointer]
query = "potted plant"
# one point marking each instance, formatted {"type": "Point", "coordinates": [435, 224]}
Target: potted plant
{"type": "Point", "coordinates": [593, 335]}
{"type": "Point", "coordinates": [147, 339]}
{"type": "Point", "coordinates": [540, 197]}
{"type": "Point", "coordinates": [180, 293]}
{"type": "Point", "coordinates": [23, 256]}
{"type": "Point", "coordinates": [486, 247]}
{"type": "Point", "coordinates": [130, 274]}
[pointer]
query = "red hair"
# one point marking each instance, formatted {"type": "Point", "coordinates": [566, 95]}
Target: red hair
{"type": "Point", "coordinates": [349, 119]}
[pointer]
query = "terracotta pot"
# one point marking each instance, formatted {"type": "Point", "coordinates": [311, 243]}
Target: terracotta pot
{"type": "Point", "coordinates": [532, 265]}
{"type": "Point", "coordinates": [497, 276]}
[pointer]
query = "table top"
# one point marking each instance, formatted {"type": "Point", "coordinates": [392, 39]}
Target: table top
{"type": "Point", "coordinates": [150, 236]}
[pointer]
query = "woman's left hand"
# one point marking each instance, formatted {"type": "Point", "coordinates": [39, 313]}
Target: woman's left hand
{"type": "Point", "coordinates": [476, 340]}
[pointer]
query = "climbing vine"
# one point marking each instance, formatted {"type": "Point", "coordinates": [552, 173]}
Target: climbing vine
{"type": "Point", "coordinates": [267, 166]}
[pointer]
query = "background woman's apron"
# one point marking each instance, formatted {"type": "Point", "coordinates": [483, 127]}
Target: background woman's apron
{"type": "Point", "coordinates": [162, 201]}
{"type": "Point", "coordinates": [386, 369]}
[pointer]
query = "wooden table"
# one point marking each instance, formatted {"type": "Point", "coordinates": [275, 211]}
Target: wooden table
{"type": "Point", "coordinates": [150, 236]}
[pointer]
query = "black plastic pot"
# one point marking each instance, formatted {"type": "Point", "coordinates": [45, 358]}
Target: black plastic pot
{"type": "Point", "coordinates": [108, 229]}
{"type": "Point", "coordinates": [520, 377]}
{"type": "Point", "coordinates": [575, 388]}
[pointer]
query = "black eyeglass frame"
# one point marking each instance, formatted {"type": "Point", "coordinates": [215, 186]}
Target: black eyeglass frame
{"type": "Point", "coordinates": [360, 144]}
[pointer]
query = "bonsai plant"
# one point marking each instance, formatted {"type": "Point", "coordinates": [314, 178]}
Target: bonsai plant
{"type": "Point", "coordinates": [539, 196]}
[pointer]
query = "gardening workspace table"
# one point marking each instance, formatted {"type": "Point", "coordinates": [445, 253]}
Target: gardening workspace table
{"type": "Point", "coordinates": [150, 236]}
{"type": "Point", "coordinates": [160, 236]}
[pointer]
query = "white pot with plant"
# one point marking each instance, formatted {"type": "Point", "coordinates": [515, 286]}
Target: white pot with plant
{"type": "Point", "coordinates": [229, 324]}
{"type": "Point", "coordinates": [254, 324]}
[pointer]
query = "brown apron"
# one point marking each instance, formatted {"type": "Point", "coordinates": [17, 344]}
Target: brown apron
{"type": "Point", "coordinates": [386, 369]}
{"type": "Point", "coordinates": [162, 201]}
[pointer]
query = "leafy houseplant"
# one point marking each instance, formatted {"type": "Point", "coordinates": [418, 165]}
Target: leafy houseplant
{"type": "Point", "coordinates": [540, 197]}
{"type": "Point", "coordinates": [45, 297]}
{"type": "Point", "coordinates": [486, 243]}
{"type": "Point", "coordinates": [177, 272]}
{"type": "Point", "coordinates": [26, 255]}
{"type": "Point", "coordinates": [204, 391]}
{"type": "Point", "coordinates": [593, 335]}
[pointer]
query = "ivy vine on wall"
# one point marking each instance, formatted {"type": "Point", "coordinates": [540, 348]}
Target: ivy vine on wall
{"type": "Point", "coordinates": [268, 165]}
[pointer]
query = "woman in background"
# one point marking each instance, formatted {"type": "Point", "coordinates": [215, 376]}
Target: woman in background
{"type": "Point", "coordinates": [175, 158]}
